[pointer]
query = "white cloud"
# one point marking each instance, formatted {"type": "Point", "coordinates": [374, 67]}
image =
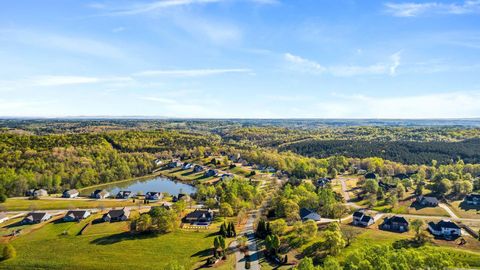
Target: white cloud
{"type": "Point", "coordinates": [192, 72]}
{"type": "Point", "coordinates": [412, 9]}
{"type": "Point", "coordinates": [50, 80]}
{"type": "Point", "coordinates": [304, 64]}
{"type": "Point", "coordinates": [442, 105]}
{"type": "Point", "coordinates": [73, 44]}
{"type": "Point", "coordinates": [160, 100]}
{"type": "Point", "coordinates": [157, 6]}
{"type": "Point", "coordinates": [310, 66]}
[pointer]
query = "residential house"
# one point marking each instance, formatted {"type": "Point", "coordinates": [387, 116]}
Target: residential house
{"type": "Point", "coordinates": [199, 217]}
{"type": "Point", "coordinates": [116, 215]}
{"type": "Point", "coordinates": [472, 199]}
{"type": "Point", "coordinates": [70, 193]}
{"type": "Point", "coordinates": [308, 214]}
{"type": "Point", "coordinates": [76, 215]}
{"type": "Point", "coordinates": [158, 162]}
{"type": "Point", "coordinates": [226, 176]}
{"type": "Point", "coordinates": [322, 182]}
{"type": "Point", "coordinates": [153, 196]}
{"type": "Point", "coordinates": [211, 172]}
{"type": "Point", "coordinates": [124, 194]}
{"type": "Point", "coordinates": [445, 228]}
{"type": "Point", "coordinates": [181, 196]}
{"type": "Point", "coordinates": [174, 164]}
{"type": "Point", "coordinates": [36, 193]}
{"type": "Point", "coordinates": [198, 168]}
{"type": "Point", "coordinates": [370, 175]}
{"type": "Point", "coordinates": [395, 224]}
{"type": "Point", "coordinates": [36, 217]}
{"type": "Point", "coordinates": [187, 166]}
{"type": "Point", "coordinates": [427, 201]}
{"type": "Point", "coordinates": [100, 194]}
{"type": "Point", "coordinates": [3, 217]}
{"type": "Point", "coordinates": [360, 218]}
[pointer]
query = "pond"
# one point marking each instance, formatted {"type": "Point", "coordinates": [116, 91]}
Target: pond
{"type": "Point", "coordinates": [157, 184]}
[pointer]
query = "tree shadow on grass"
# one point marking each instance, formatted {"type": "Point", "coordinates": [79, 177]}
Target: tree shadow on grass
{"type": "Point", "coordinates": [203, 253]}
{"type": "Point", "coordinates": [117, 238]}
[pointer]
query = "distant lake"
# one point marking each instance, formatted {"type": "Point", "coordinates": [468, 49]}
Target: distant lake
{"type": "Point", "coordinates": [158, 184]}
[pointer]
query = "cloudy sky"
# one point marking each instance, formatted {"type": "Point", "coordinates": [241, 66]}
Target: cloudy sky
{"type": "Point", "coordinates": [240, 58]}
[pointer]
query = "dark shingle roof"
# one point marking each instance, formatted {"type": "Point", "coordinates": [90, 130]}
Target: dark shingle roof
{"type": "Point", "coordinates": [76, 214]}
{"type": "Point", "coordinates": [366, 218]}
{"type": "Point", "coordinates": [448, 224]}
{"type": "Point", "coordinates": [35, 216]}
{"type": "Point", "coordinates": [116, 213]}
{"type": "Point", "coordinates": [358, 214]}
{"type": "Point", "coordinates": [395, 219]}
{"type": "Point", "coordinates": [309, 214]}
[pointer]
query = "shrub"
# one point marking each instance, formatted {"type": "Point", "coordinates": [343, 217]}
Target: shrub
{"type": "Point", "coordinates": [9, 252]}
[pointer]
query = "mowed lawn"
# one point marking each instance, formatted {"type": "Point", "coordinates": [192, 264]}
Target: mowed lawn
{"type": "Point", "coordinates": [464, 210]}
{"type": "Point", "coordinates": [23, 204]}
{"type": "Point", "coordinates": [107, 246]}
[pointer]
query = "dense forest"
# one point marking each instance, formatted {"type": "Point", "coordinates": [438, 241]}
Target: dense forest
{"type": "Point", "coordinates": [59, 161]}
{"type": "Point", "coordinates": [401, 151]}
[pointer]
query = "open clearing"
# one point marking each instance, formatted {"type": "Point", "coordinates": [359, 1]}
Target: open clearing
{"type": "Point", "coordinates": [108, 246]}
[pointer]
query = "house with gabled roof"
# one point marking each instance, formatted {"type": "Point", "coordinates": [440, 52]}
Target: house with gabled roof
{"type": "Point", "coordinates": [36, 217]}
{"type": "Point", "coordinates": [395, 224]}
{"type": "Point", "coordinates": [322, 182]}
{"type": "Point", "coordinates": [36, 192]}
{"type": "Point", "coordinates": [445, 228]}
{"type": "Point", "coordinates": [153, 196]}
{"type": "Point", "coordinates": [472, 199]}
{"type": "Point", "coordinates": [360, 218]}
{"type": "Point", "coordinates": [211, 172]}
{"type": "Point", "coordinates": [100, 194]}
{"type": "Point", "coordinates": [427, 201]}
{"type": "Point", "coordinates": [199, 217]}
{"type": "Point", "coordinates": [70, 193]}
{"type": "Point", "coordinates": [198, 168]}
{"type": "Point", "coordinates": [76, 215]}
{"type": "Point", "coordinates": [309, 214]}
{"type": "Point", "coordinates": [124, 194]}
{"type": "Point", "coordinates": [116, 215]}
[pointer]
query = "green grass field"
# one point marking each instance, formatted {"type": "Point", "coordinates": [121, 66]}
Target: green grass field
{"type": "Point", "coordinates": [108, 246]}
{"type": "Point", "coordinates": [23, 204]}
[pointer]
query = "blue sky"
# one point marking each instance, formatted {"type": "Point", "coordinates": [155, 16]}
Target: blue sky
{"type": "Point", "coordinates": [240, 58]}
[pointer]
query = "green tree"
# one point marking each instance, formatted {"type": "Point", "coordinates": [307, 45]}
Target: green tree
{"type": "Point", "coordinates": [226, 210]}
{"type": "Point", "coordinates": [334, 241]}
{"type": "Point", "coordinates": [330, 263]}
{"type": "Point", "coordinates": [278, 226]}
{"type": "Point", "coordinates": [306, 264]}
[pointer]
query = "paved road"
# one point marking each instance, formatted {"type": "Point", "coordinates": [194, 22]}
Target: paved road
{"type": "Point", "coordinates": [449, 211]}
{"type": "Point", "coordinates": [249, 233]}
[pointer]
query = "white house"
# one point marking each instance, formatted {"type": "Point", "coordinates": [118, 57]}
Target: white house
{"type": "Point", "coordinates": [362, 219]}
{"type": "Point", "coordinates": [445, 228]}
{"type": "Point", "coordinates": [71, 193]}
